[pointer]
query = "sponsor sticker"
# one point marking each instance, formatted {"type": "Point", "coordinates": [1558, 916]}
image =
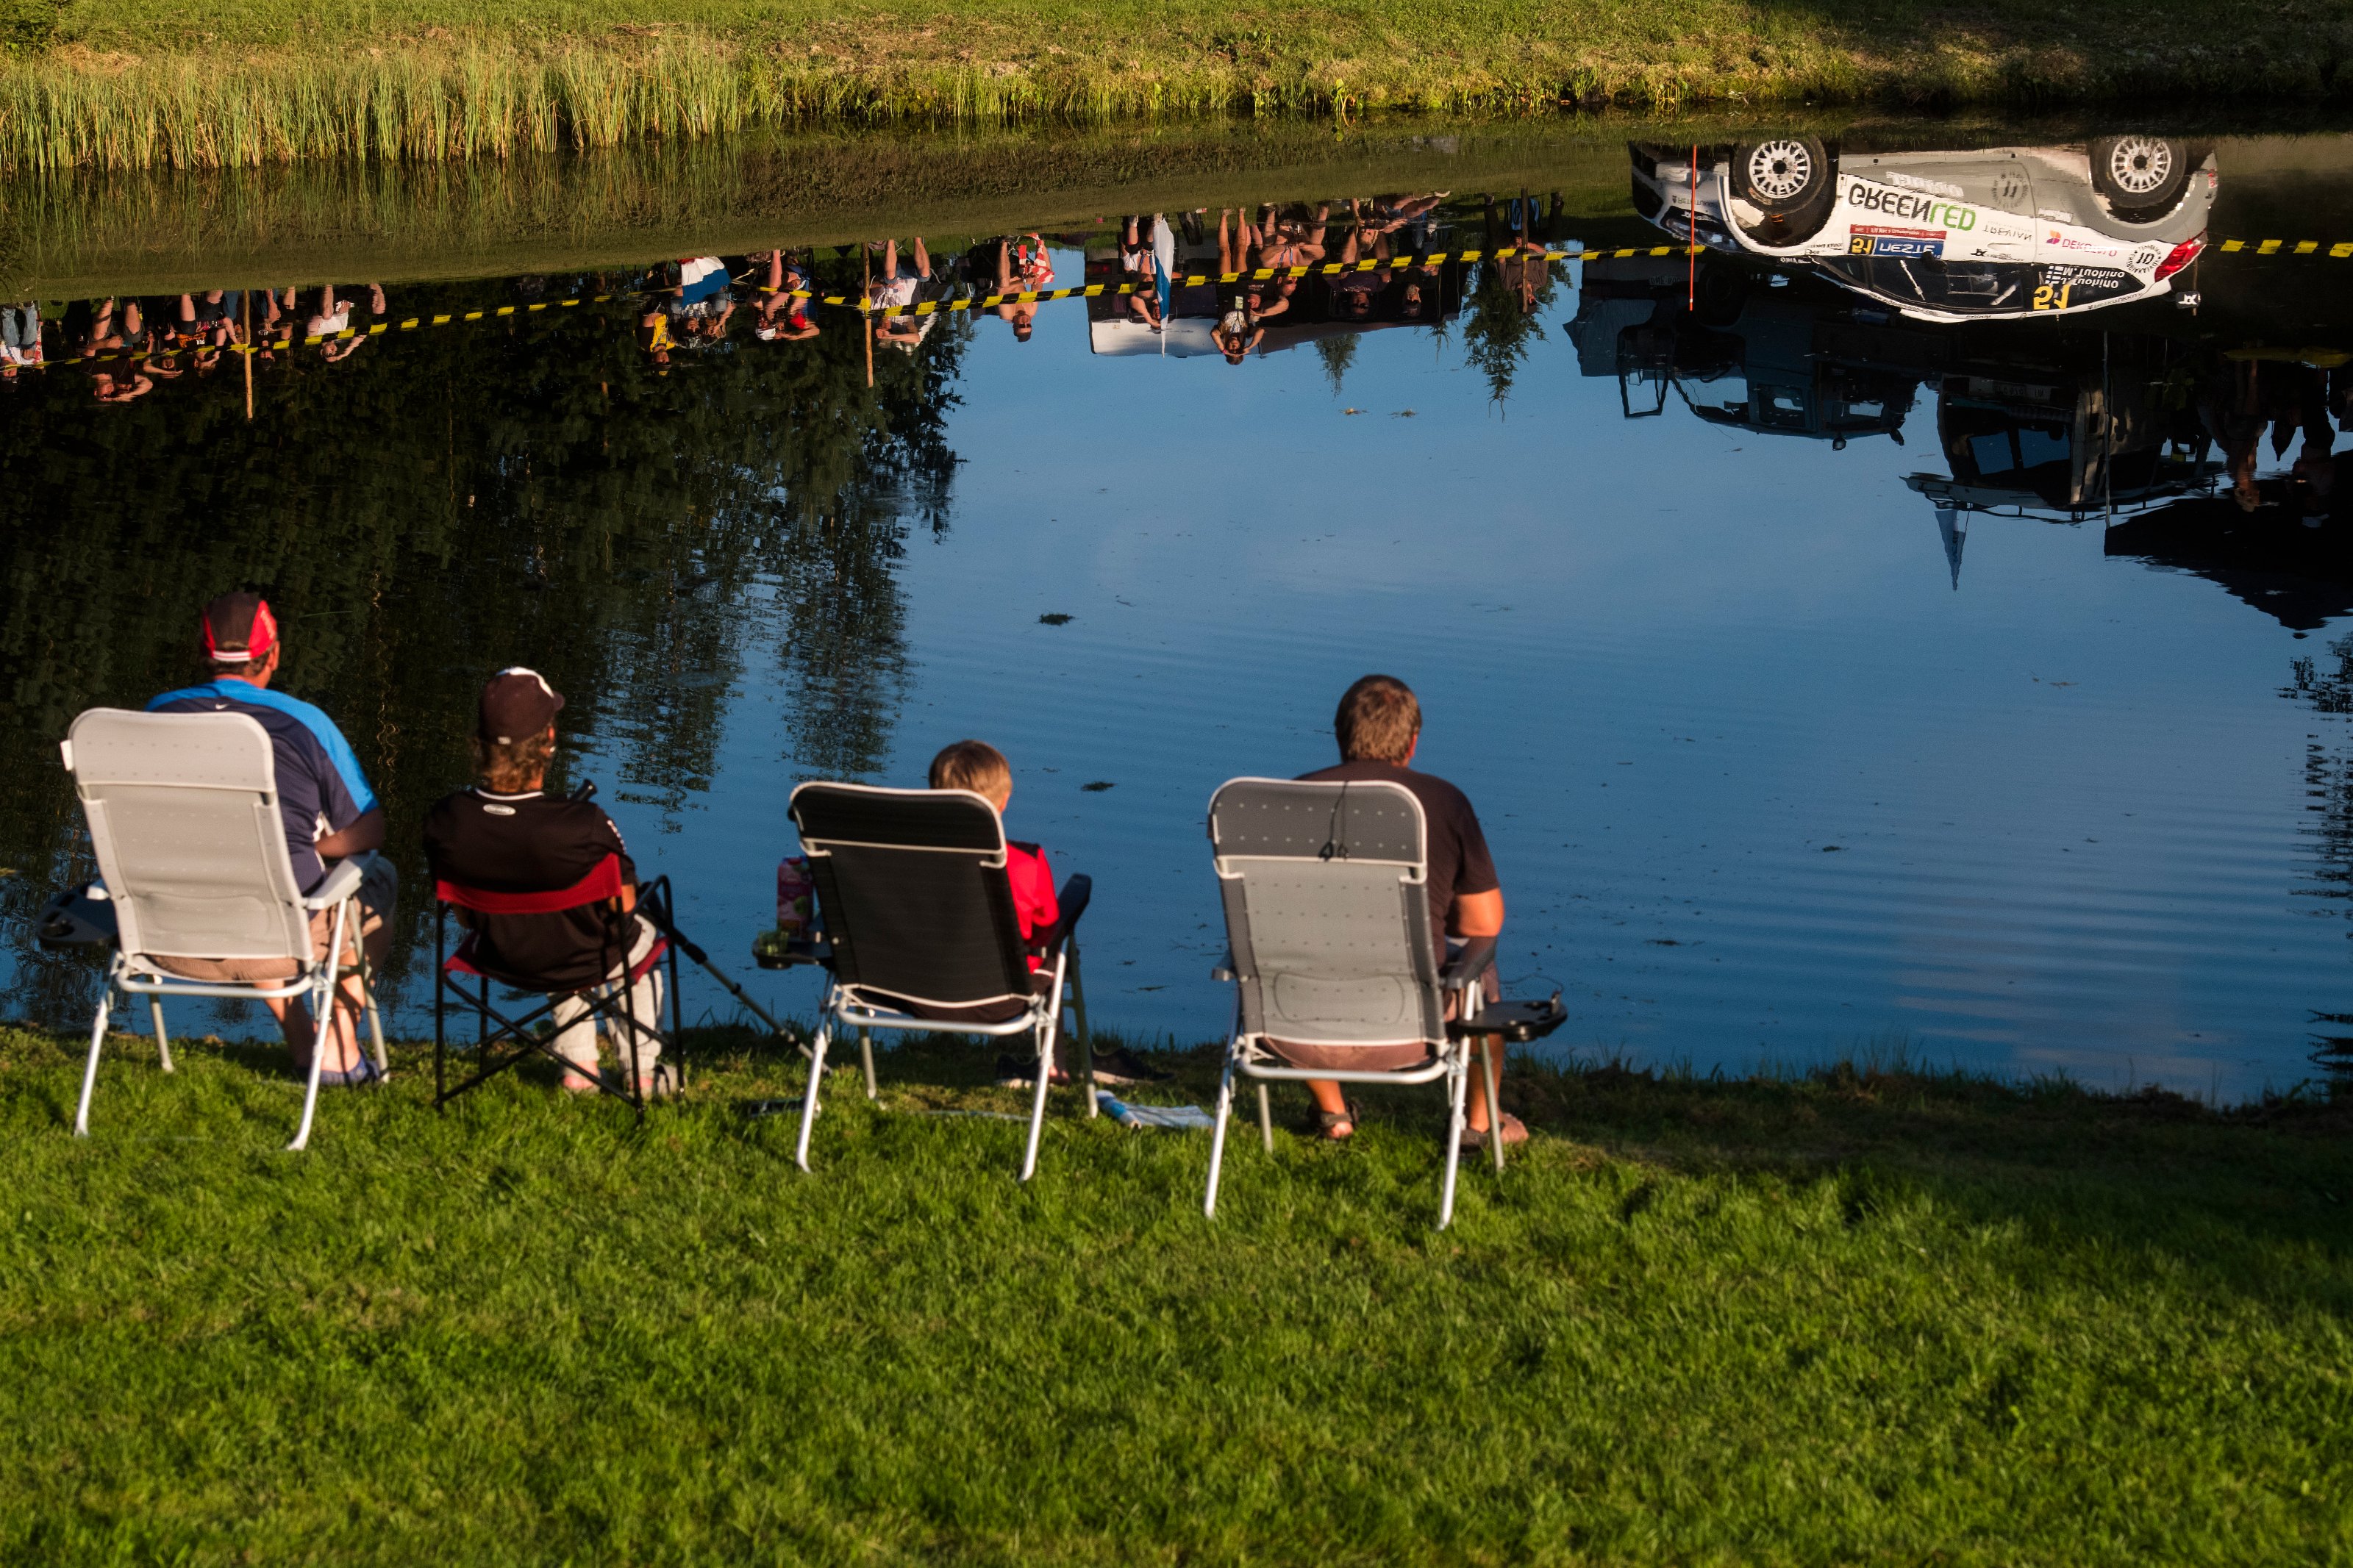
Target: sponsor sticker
{"type": "Point", "coordinates": [1910, 206]}
{"type": "Point", "coordinates": [2055, 238]}
{"type": "Point", "coordinates": [1870, 240]}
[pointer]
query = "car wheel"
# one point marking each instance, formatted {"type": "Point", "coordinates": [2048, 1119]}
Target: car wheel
{"type": "Point", "coordinates": [2140, 177]}
{"type": "Point", "coordinates": [1783, 175]}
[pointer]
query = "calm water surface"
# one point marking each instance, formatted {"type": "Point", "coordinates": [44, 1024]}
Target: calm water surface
{"type": "Point", "coordinates": [2016, 745]}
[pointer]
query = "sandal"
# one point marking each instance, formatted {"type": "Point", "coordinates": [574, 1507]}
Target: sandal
{"type": "Point", "coordinates": [1514, 1131]}
{"type": "Point", "coordinates": [1329, 1122]}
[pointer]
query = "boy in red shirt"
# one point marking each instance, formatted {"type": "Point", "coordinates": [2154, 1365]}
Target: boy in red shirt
{"type": "Point", "coordinates": [978, 766]}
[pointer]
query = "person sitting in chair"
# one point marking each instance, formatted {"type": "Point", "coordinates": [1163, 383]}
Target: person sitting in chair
{"type": "Point", "coordinates": [1378, 726]}
{"type": "Point", "coordinates": [506, 834]}
{"type": "Point", "coordinates": [329, 814]}
{"type": "Point", "coordinates": [981, 768]}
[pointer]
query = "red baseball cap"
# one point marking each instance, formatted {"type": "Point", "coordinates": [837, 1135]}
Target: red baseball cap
{"type": "Point", "coordinates": [239, 629]}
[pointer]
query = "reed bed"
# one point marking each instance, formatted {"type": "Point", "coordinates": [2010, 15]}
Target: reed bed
{"type": "Point", "coordinates": [135, 90]}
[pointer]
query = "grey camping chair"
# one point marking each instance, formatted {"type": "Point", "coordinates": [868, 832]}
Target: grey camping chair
{"type": "Point", "coordinates": [184, 821]}
{"type": "Point", "coordinates": [919, 933]}
{"type": "Point", "coordinates": [1327, 918]}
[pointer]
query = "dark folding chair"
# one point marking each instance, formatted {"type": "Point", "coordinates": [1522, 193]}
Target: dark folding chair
{"type": "Point", "coordinates": [606, 1002]}
{"type": "Point", "coordinates": [919, 933]}
{"type": "Point", "coordinates": [1328, 918]}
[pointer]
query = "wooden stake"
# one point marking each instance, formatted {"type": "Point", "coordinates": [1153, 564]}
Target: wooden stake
{"type": "Point", "coordinates": [245, 306]}
{"type": "Point", "coordinates": [865, 310]}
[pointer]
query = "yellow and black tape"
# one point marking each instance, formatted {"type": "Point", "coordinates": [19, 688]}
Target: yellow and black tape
{"type": "Point", "coordinates": [925, 308]}
{"type": "Point", "coordinates": [2342, 250]}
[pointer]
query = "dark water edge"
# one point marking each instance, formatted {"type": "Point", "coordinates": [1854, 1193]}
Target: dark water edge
{"type": "Point", "coordinates": [98, 233]}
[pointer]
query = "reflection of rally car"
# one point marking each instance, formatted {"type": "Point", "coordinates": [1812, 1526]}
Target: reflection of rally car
{"type": "Point", "coordinates": [1947, 236]}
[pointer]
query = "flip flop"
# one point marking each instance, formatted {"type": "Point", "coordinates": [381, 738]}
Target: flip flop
{"type": "Point", "coordinates": [1329, 1121]}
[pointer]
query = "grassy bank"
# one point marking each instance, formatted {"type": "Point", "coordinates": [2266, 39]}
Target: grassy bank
{"type": "Point", "coordinates": [139, 83]}
{"type": "Point", "coordinates": [1855, 1318]}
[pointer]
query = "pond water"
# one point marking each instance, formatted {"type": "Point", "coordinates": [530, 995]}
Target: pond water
{"type": "Point", "coordinates": [1830, 678]}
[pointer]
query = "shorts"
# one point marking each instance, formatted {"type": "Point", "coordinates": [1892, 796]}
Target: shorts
{"type": "Point", "coordinates": [379, 890]}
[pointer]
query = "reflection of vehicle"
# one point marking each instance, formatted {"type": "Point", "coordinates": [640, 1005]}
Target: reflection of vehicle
{"type": "Point", "coordinates": [2056, 431]}
{"type": "Point", "coordinates": [2008, 231]}
{"type": "Point", "coordinates": [1765, 361]}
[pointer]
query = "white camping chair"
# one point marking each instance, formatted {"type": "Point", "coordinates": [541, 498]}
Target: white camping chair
{"type": "Point", "coordinates": [184, 820]}
{"type": "Point", "coordinates": [1326, 888]}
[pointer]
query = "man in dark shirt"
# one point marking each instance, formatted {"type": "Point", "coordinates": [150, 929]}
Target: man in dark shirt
{"type": "Point", "coordinates": [329, 814]}
{"type": "Point", "coordinates": [1378, 726]}
{"type": "Point", "coordinates": [507, 835]}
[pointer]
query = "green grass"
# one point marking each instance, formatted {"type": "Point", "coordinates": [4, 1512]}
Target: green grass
{"type": "Point", "coordinates": [1873, 1316]}
{"type": "Point", "coordinates": [139, 83]}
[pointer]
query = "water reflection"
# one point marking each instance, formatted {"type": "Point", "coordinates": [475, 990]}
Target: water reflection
{"type": "Point", "coordinates": [688, 490]}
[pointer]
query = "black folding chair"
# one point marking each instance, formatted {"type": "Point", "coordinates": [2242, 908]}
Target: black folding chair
{"type": "Point", "coordinates": [919, 933]}
{"type": "Point", "coordinates": [606, 1001]}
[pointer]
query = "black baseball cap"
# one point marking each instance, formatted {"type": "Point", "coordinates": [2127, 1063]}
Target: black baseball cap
{"type": "Point", "coordinates": [515, 703]}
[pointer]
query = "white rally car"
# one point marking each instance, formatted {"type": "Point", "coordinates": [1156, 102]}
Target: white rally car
{"type": "Point", "coordinates": [1947, 236]}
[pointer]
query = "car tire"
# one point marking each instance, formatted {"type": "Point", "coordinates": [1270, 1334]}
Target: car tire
{"type": "Point", "coordinates": [2141, 178]}
{"type": "Point", "coordinates": [1783, 175]}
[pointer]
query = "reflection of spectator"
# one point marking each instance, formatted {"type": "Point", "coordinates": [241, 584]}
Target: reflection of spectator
{"type": "Point", "coordinates": [2242, 398]}
{"type": "Point", "coordinates": [784, 315]}
{"type": "Point", "coordinates": [128, 387]}
{"type": "Point", "coordinates": [1516, 248]}
{"type": "Point", "coordinates": [1237, 331]}
{"type": "Point", "coordinates": [895, 290]}
{"type": "Point", "coordinates": [1021, 315]}
{"type": "Point", "coordinates": [113, 330]}
{"type": "Point", "coordinates": [1353, 292]}
{"type": "Point", "coordinates": [20, 339]}
{"type": "Point", "coordinates": [702, 304]}
{"type": "Point", "coordinates": [333, 317]}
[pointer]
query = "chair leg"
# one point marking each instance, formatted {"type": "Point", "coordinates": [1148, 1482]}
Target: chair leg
{"type": "Point", "coordinates": [1458, 1086]}
{"type": "Point", "coordinates": [1038, 1096]}
{"type": "Point", "coordinates": [89, 1071]}
{"type": "Point", "coordinates": [1217, 1134]}
{"type": "Point", "coordinates": [324, 994]}
{"type": "Point", "coordinates": [866, 1059]}
{"type": "Point", "coordinates": [808, 1100]}
{"type": "Point", "coordinates": [1492, 1056]}
{"type": "Point", "coordinates": [162, 1041]}
{"type": "Point", "coordinates": [374, 1018]}
{"type": "Point", "coordinates": [1086, 1039]}
{"type": "Point", "coordinates": [1266, 1117]}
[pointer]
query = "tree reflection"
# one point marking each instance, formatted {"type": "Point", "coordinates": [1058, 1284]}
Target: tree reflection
{"type": "Point", "coordinates": [456, 501]}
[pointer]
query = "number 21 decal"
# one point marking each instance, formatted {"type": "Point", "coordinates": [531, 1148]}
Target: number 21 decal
{"type": "Point", "coordinates": [2046, 298]}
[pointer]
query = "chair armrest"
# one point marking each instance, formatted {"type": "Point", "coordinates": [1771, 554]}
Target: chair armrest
{"type": "Point", "coordinates": [340, 884]}
{"type": "Point", "coordinates": [1463, 970]}
{"type": "Point", "coordinates": [1076, 894]}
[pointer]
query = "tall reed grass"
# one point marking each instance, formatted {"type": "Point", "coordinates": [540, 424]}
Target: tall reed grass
{"type": "Point", "coordinates": [130, 98]}
{"type": "Point", "coordinates": [412, 102]}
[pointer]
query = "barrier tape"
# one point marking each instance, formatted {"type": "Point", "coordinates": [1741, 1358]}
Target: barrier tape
{"type": "Point", "coordinates": [2340, 251]}
{"type": "Point", "coordinates": [925, 308]}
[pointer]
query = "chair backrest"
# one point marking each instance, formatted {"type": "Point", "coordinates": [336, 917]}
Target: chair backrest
{"type": "Point", "coordinates": [912, 893]}
{"type": "Point", "coordinates": [600, 886]}
{"type": "Point", "coordinates": [184, 816]}
{"type": "Point", "coordinates": [1328, 911]}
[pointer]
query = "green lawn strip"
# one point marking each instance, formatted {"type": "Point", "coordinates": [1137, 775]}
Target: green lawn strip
{"type": "Point", "coordinates": [136, 83]}
{"type": "Point", "coordinates": [1869, 1316]}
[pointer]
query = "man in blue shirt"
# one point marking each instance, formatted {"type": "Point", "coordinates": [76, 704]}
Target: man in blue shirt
{"type": "Point", "coordinates": [329, 814]}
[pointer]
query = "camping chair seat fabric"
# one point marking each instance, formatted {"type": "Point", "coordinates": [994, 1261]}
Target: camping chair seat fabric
{"type": "Point", "coordinates": [190, 838]}
{"type": "Point", "coordinates": [922, 932]}
{"type": "Point", "coordinates": [606, 1000]}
